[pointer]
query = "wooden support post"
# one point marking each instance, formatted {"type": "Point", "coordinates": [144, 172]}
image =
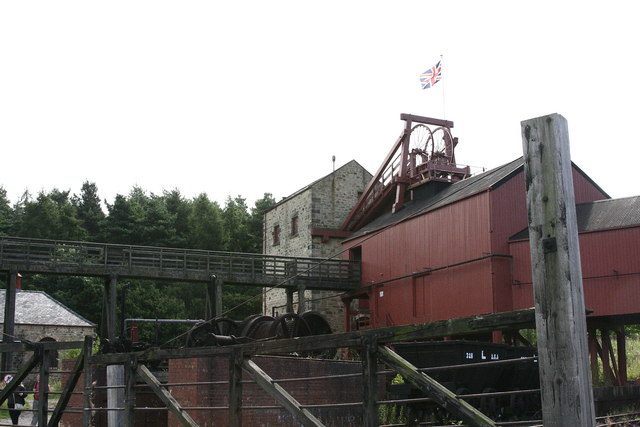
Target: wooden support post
{"type": "Point", "coordinates": [218, 298]}
{"type": "Point", "coordinates": [621, 345]}
{"type": "Point", "coordinates": [565, 380]}
{"type": "Point", "coordinates": [113, 304]}
{"type": "Point", "coordinates": [593, 353]}
{"type": "Point", "coordinates": [165, 396]}
{"type": "Point", "coordinates": [439, 393]}
{"type": "Point", "coordinates": [43, 390]}
{"type": "Point", "coordinates": [87, 405]}
{"type": "Point", "coordinates": [214, 298]}
{"type": "Point", "coordinates": [303, 416]}
{"type": "Point", "coordinates": [289, 300]}
{"type": "Point", "coordinates": [369, 381]}
{"type": "Point", "coordinates": [302, 304]}
{"type": "Point", "coordinates": [607, 348]}
{"type": "Point", "coordinates": [235, 388]}
{"type": "Point", "coordinates": [9, 318]}
{"type": "Point", "coordinates": [130, 391]}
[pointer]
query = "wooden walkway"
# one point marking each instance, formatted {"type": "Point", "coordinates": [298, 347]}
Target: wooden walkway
{"type": "Point", "coordinates": [189, 265]}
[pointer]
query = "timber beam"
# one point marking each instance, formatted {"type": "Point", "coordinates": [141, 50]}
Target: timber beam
{"type": "Point", "coordinates": [439, 393]}
{"type": "Point", "coordinates": [166, 397]}
{"type": "Point", "coordinates": [460, 326]}
{"type": "Point", "coordinates": [303, 416]}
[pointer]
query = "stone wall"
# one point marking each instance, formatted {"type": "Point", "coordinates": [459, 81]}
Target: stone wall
{"type": "Point", "coordinates": [36, 333]}
{"type": "Point", "coordinates": [324, 205]}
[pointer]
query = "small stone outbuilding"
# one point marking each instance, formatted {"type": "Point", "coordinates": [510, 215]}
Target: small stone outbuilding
{"type": "Point", "coordinates": [39, 317]}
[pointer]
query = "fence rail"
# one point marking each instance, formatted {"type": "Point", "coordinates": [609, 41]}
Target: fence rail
{"type": "Point", "coordinates": [102, 259]}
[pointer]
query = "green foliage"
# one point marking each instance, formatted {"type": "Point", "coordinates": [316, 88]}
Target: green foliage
{"type": "Point", "coordinates": [6, 214]}
{"type": "Point", "coordinates": [90, 212]}
{"type": "Point", "coordinates": [140, 218]}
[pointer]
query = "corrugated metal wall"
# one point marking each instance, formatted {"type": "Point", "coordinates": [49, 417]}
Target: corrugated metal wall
{"type": "Point", "coordinates": [470, 229]}
{"type": "Point", "coordinates": [610, 270]}
{"type": "Point", "coordinates": [453, 234]}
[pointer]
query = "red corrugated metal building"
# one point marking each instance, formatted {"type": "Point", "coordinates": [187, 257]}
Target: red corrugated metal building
{"type": "Point", "coordinates": [459, 247]}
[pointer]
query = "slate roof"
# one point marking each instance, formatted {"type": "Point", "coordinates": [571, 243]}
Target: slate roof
{"type": "Point", "coordinates": [602, 215]}
{"type": "Point", "coordinates": [434, 195]}
{"type": "Point", "coordinates": [38, 308]}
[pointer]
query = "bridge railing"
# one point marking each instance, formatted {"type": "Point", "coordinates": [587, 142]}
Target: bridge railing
{"type": "Point", "coordinates": [52, 255]}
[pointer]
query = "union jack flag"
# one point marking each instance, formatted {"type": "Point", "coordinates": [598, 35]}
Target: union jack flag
{"type": "Point", "coordinates": [431, 76]}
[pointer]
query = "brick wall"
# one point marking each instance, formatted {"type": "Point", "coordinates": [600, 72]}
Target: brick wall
{"type": "Point", "coordinates": [338, 390]}
{"type": "Point", "coordinates": [145, 398]}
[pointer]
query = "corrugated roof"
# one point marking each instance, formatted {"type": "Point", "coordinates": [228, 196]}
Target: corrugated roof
{"type": "Point", "coordinates": [445, 194]}
{"type": "Point", "coordinates": [602, 215]}
{"type": "Point", "coordinates": [38, 308]}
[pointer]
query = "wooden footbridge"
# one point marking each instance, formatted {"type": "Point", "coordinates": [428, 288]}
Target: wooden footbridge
{"type": "Point", "coordinates": [117, 262]}
{"type": "Point", "coordinates": [188, 265]}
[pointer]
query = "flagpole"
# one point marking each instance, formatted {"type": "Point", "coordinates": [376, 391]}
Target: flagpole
{"type": "Point", "coordinates": [444, 111]}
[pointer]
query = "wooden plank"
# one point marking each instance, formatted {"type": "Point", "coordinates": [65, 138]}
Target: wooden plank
{"type": "Point", "coordinates": [235, 388]}
{"type": "Point", "coordinates": [565, 380]}
{"type": "Point", "coordinates": [88, 382]}
{"type": "Point", "coordinates": [282, 397]}
{"type": "Point", "coordinates": [45, 345]}
{"type": "Point", "coordinates": [8, 327]}
{"type": "Point", "coordinates": [369, 381]}
{"type": "Point", "coordinates": [439, 393]}
{"type": "Point", "coordinates": [130, 391]}
{"type": "Point", "coordinates": [165, 396]}
{"type": "Point", "coordinates": [66, 393]}
{"type": "Point", "coordinates": [43, 389]}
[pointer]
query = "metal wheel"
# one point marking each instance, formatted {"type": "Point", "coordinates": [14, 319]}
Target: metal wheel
{"type": "Point", "coordinates": [289, 325]}
{"type": "Point", "coordinates": [256, 326]}
{"type": "Point", "coordinates": [224, 326]}
{"type": "Point", "coordinates": [431, 145]}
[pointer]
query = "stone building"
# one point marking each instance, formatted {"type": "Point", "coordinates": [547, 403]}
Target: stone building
{"type": "Point", "coordinates": [42, 318]}
{"type": "Point", "coordinates": [307, 224]}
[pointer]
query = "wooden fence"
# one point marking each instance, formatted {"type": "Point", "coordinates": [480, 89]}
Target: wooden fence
{"type": "Point", "coordinates": [372, 345]}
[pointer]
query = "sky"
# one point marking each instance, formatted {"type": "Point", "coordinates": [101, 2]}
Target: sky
{"type": "Point", "coordinates": [251, 97]}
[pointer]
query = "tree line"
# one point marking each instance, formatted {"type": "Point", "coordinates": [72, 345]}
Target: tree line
{"type": "Point", "coordinates": [140, 218]}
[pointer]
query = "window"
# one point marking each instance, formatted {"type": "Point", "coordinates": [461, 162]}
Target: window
{"type": "Point", "coordinates": [276, 235]}
{"type": "Point", "coordinates": [294, 226]}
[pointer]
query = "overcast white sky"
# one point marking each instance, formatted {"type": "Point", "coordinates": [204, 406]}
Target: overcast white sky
{"type": "Point", "coordinates": [247, 97]}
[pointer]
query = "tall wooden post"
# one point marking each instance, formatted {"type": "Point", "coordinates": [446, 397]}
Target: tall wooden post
{"type": "Point", "coordinates": [9, 318]}
{"type": "Point", "coordinates": [567, 395]}
{"type": "Point", "coordinates": [87, 405]}
{"type": "Point", "coordinates": [130, 377]}
{"type": "Point", "coordinates": [302, 303]}
{"type": "Point", "coordinates": [214, 298]}
{"type": "Point", "coordinates": [235, 388]}
{"type": "Point", "coordinates": [369, 381]}
{"type": "Point", "coordinates": [43, 390]}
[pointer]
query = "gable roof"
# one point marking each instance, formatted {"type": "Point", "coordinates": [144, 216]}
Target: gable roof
{"type": "Point", "coordinates": [38, 308]}
{"type": "Point", "coordinates": [443, 194]}
{"type": "Point", "coordinates": [429, 197]}
{"type": "Point", "coordinates": [602, 215]}
{"type": "Point", "coordinates": [307, 187]}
